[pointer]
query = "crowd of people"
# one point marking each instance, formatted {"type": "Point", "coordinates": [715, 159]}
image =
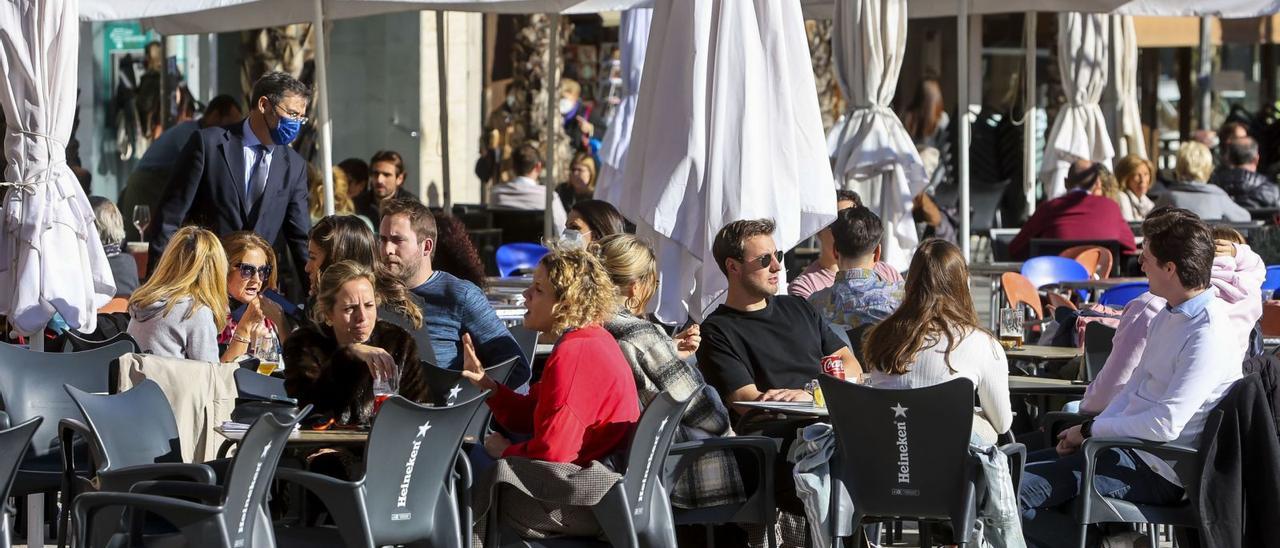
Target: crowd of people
{"type": "Point", "coordinates": [393, 287]}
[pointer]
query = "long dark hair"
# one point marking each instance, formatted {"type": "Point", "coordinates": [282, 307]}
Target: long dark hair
{"type": "Point", "coordinates": [601, 217]}
{"type": "Point", "coordinates": [937, 306]}
{"type": "Point", "coordinates": [925, 111]}
{"type": "Point", "coordinates": [348, 238]}
{"type": "Point", "coordinates": [454, 252]}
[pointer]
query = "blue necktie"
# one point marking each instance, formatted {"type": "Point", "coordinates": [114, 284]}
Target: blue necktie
{"type": "Point", "coordinates": [257, 177]}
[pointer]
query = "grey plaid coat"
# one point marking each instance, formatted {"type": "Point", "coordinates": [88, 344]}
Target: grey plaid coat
{"type": "Point", "coordinates": [713, 479]}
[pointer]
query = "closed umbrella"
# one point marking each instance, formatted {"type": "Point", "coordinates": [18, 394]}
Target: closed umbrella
{"type": "Point", "coordinates": [633, 34]}
{"type": "Point", "coordinates": [727, 127]}
{"type": "Point", "coordinates": [875, 154]}
{"type": "Point", "coordinates": [51, 259]}
{"type": "Point", "coordinates": [1129, 117]}
{"type": "Point", "coordinates": [1079, 131]}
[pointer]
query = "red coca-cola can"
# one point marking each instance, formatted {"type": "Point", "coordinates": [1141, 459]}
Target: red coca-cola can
{"type": "Point", "coordinates": [834, 366]}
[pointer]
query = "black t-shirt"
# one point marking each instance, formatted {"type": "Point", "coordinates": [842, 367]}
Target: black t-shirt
{"type": "Point", "coordinates": [780, 346]}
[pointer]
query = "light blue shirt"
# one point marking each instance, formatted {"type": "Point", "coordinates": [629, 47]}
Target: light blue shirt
{"type": "Point", "coordinates": [251, 141]}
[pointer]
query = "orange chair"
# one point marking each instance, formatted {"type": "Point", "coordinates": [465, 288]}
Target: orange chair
{"type": "Point", "coordinates": [118, 304]}
{"type": "Point", "coordinates": [1096, 259]}
{"type": "Point", "coordinates": [1019, 290]}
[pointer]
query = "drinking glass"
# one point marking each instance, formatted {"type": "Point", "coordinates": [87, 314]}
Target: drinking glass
{"type": "Point", "coordinates": [1011, 328]}
{"type": "Point", "coordinates": [385, 384]}
{"type": "Point", "coordinates": [267, 349]}
{"type": "Point", "coordinates": [142, 218]}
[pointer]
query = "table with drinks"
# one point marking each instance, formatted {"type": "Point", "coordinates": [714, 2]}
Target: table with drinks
{"type": "Point", "coordinates": [994, 271]}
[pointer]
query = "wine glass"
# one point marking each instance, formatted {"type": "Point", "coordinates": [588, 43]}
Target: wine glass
{"type": "Point", "coordinates": [142, 218]}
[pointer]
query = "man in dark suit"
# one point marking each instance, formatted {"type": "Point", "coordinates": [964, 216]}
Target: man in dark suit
{"type": "Point", "coordinates": [244, 176]}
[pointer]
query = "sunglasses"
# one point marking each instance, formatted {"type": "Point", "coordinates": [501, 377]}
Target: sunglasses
{"type": "Point", "coordinates": [247, 270]}
{"type": "Point", "coordinates": [765, 260]}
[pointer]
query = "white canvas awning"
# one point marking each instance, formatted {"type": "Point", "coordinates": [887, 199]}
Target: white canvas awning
{"type": "Point", "coordinates": [634, 38]}
{"type": "Point", "coordinates": [825, 9]}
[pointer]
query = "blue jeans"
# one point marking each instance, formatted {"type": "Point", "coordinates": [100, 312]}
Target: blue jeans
{"type": "Point", "coordinates": [1050, 483]}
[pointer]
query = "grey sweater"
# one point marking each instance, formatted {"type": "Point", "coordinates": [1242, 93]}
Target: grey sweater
{"type": "Point", "coordinates": [174, 334]}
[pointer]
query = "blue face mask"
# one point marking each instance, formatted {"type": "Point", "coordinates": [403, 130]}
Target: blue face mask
{"type": "Point", "coordinates": [286, 130]}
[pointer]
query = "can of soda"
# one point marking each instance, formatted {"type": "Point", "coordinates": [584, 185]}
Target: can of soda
{"type": "Point", "coordinates": [834, 366]}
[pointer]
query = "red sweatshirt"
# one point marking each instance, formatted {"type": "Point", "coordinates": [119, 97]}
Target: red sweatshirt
{"type": "Point", "coordinates": [1076, 215]}
{"type": "Point", "coordinates": [584, 407]}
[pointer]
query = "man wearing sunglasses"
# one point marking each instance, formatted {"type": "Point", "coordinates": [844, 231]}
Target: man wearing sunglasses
{"type": "Point", "coordinates": [759, 345]}
{"type": "Point", "coordinates": [244, 176]}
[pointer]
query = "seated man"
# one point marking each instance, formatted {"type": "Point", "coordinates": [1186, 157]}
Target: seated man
{"type": "Point", "coordinates": [759, 345]}
{"type": "Point", "coordinates": [525, 192]}
{"type": "Point", "coordinates": [1080, 214]}
{"type": "Point", "coordinates": [1167, 399]}
{"type": "Point", "coordinates": [1240, 177]}
{"type": "Point", "coordinates": [451, 306]}
{"type": "Point", "coordinates": [858, 297]}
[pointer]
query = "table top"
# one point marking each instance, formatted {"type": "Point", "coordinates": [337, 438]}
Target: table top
{"type": "Point", "coordinates": [995, 269]}
{"type": "Point", "coordinates": [804, 408]}
{"type": "Point", "coordinates": [1041, 385]}
{"type": "Point", "coordinates": [1037, 352]}
{"type": "Point", "coordinates": [520, 282]}
{"type": "Point", "coordinates": [1100, 284]}
{"type": "Point", "coordinates": [338, 437]}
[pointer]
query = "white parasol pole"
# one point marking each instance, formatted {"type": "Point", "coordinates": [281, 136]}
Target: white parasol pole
{"type": "Point", "coordinates": [962, 111]}
{"type": "Point", "coordinates": [552, 85]}
{"type": "Point", "coordinates": [323, 123]}
{"type": "Point", "coordinates": [1029, 113]}
{"type": "Point", "coordinates": [443, 94]}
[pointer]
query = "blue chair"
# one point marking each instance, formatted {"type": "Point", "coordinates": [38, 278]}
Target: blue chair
{"type": "Point", "coordinates": [1120, 295]}
{"type": "Point", "coordinates": [519, 256]}
{"type": "Point", "coordinates": [1273, 278]}
{"type": "Point", "coordinates": [1051, 269]}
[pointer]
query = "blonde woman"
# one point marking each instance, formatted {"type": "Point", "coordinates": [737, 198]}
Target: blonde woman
{"type": "Point", "coordinates": [252, 270]}
{"type": "Point", "coordinates": [183, 306]}
{"type": "Point", "coordinates": [581, 184]}
{"type": "Point", "coordinates": [581, 411]}
{"type": "Point", "coordinates": [657, 367]}
{"type": "Point", "coordinates": [1135, 174]}
{"type": "Point", "coordinates": [1194, 193]}
{"type": "Point", "coordinates": [342, 202]}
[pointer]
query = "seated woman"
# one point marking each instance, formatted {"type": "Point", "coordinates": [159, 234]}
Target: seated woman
{"type": "Point", "coordinates": [332, 365]}
{"type": "Point", "coordinates": [594, 220]}
{"type": "Point", "coordinates": [934, 336]}
{"type": "Point", "coordinates": [656, 366]}
{"type": "Point", "coordinates": [252, 271]}
{"type": "Point", "coordinates": [110, 224]}
{"type": "Point", "coordinates": [582, 410]}
{"type": "Point", "coordinates": [339, 238]}
{"type": "Point", "coordinates": [181, 309]}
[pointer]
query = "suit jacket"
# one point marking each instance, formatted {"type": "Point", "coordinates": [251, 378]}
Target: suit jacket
{"type": "Point", "coordinates": [1074, 216]}
{"type": "Point", "coordinates": [207, 188]}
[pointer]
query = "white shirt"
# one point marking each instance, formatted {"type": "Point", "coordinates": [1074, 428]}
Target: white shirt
{"type": "Point", "coordinates": [526, 194]}
{"type": "Point", "coordinates": [1190, 362]}
{"type": "Point", "coordinates": [976, 357]}
{"type": "Point", "coordinates": [250, 142]}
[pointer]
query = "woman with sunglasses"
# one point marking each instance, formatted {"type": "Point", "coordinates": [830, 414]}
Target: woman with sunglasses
{"type": "Point", "coordinates": [252, 271]}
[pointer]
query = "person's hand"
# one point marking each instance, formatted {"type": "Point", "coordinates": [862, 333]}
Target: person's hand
{"type": "Point", "coordinates": [1224, 248]}
{"type": "Point", "coordinates": [495, 444]}
{"type": "Point", "coordinates": [928, 209]}
{"type": "Point", "coordinates": [380, 363]}
{"type": "Point", "coordinates": [585, 126]}
{"type": "Point", "coordinates": [472, 369]}
{"type": "Point", "coordinates": [253, 314]}
{"type": "Point", "coordinates": [1069, 441]}
{"type": "Point", "coordinates": [688, 341]}
{"type": "Point", "coordinates": [786, 394]}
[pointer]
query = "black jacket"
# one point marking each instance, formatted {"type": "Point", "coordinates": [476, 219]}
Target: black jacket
{"type": "Point", "coordinates": [1239, 493]}
{"type": "Point", "coordinates": [1247, 188]}
{"type": "Point", "coordinates": [1267, 366]}
{"type": "Point", "coordinates": [207, 189]}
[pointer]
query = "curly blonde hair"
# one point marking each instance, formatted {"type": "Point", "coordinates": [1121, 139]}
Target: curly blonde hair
{"type": "Point", "coordinates": [584, 293]}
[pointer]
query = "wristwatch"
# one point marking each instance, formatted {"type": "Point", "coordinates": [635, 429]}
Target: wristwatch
{"type": "Point", "coordinates": [1086, 429]}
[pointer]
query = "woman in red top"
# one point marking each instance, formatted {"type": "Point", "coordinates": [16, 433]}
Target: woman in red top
{"type": "Point", "coordinates": [585, 406]}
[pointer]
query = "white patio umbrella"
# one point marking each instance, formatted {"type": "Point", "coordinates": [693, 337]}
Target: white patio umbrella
{"type": "Point", "coordinates": [634, 38]}
{"type": "Point", "coordinates": [727, 127]}
{"type": "Point", "coordinates": [1128, 113]}
{"type": "Point", "coordinates": [51, 259]}
{"type": "Point", "coordinates": [1079, 132]}
{"type": "Point", "coordinates": [875, 155]}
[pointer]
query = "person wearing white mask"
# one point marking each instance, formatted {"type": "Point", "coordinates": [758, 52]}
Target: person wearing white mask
{"type": "Point", "coordinates": [525, 192]}
{"type": "Point", "coordinates": [582, 122]}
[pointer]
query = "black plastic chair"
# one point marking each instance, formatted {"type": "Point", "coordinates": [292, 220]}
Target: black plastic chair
{"type": "Point", "coordinates": [518, 225]}
{"type": "Point", "coordinates": [77, 343]}
{"type": "Point", "coordinates": [401, 501]}
{"type": "Point", "coordinates": [31, 385]}
{"type": "Point", "coordinates": [527, 339]}
{"type": "Point", "coordinates": [759, 508]}
{"type": "Point", "coordinates": [1097, 347]}
{"type": "Point", "coordinates": [636, 511]}
{"type": "Point", "coordinates": [13, 445]}
{"type": "Point", "coordinates": [448, 387]}
{"type": "Point", "coordinates": [133, 437]}
{"type": "Point", "coordinates": [904, 453]}
{"type": "Point", "coordinates": [227, 517]}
